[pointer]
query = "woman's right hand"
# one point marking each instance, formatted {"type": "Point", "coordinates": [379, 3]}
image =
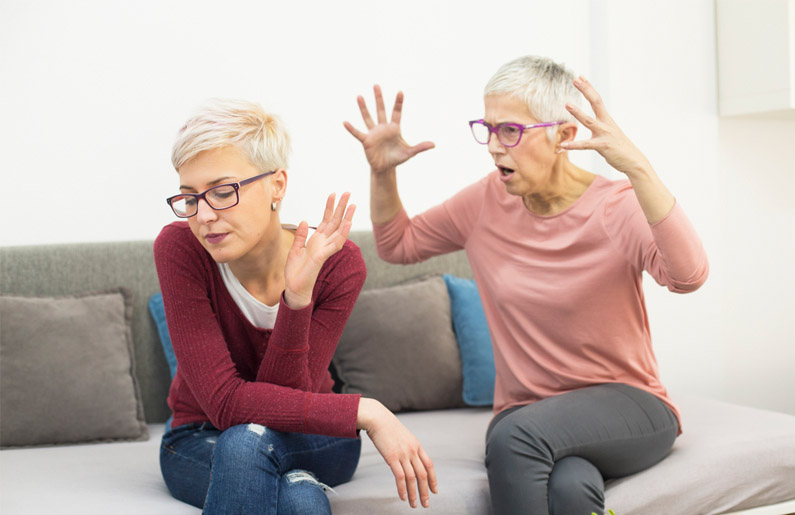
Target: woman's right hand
{"type": "Point", "coordinates": [383, 145]}
{"type": "Point", "coordinates": [400, 449]}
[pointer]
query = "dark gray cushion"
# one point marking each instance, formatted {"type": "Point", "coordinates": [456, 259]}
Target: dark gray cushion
{"type": "Point", "coordinates": [67, 370]}
{"type": "Point", "coordinates": [399, 347]}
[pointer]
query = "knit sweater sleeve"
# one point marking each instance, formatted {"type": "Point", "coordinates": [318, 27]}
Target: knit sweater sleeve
{"type": "Point", "coordinates": [439, 230]}
{"type": "Point", "coordinates": [670, 250]}
{"type": "Point", "coordinates": [303, 341]}
{"type": "Point", "coordinates": [207, 373]}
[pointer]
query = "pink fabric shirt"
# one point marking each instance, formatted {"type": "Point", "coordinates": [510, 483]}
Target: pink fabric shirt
{"type": "Point", "coordinates": [562, 294]}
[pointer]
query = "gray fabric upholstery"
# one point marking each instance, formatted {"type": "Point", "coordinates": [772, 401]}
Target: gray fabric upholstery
{"type": "Point", "coordinates": [79, 268]}
{"type": "Point", "coordinates": [730, 457]}
{"type": "Point", "coordinates": [67, 372]}
{"type": "Point", "coordinates": [399, 347]}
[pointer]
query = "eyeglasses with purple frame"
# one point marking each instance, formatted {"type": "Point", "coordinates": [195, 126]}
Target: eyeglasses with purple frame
{"type": "Point", "coordinates": [219, 201]}
{"type": "Point", "coordinates": [506, 132]}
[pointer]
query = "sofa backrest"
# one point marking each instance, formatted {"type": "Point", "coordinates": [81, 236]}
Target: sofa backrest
{"type": "Point", "coordinates": [52, 270]}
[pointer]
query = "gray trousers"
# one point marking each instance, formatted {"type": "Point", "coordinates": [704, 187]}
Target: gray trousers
{"type": "Point", "coordinates": [552, 456]}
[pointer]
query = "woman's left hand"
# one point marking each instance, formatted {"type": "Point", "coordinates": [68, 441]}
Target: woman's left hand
{"type": "Point", "coordinates": [306, 257]}
{"type": "Point", "coordinates": [606, 137]}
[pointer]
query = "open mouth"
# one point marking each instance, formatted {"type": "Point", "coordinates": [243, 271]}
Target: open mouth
{"type": "Point", "coordinates": [506, 172]}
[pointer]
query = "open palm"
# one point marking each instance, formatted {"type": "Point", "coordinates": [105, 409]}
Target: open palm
{"type": "Point", "coordinates": [383, 144]}
{"type": "Point", "coordinates": [306, 256]}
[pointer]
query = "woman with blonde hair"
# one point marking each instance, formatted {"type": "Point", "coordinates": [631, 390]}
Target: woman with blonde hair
{"type": "Point", "coordinates": [255, 310]}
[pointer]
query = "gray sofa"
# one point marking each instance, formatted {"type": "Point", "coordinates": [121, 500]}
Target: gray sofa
{"type": "Point", "coordinates": [729, 459]}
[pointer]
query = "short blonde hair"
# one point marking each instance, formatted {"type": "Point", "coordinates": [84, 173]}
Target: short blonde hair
{"type": "Point", "coordinates": [542, 84]}
{"type": "Point", "coordinates": [260, 136]}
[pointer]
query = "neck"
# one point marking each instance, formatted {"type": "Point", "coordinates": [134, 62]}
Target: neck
{"type": "Point", "coordinates": [563, 186]}
{"type": "Point", "coordinates": [261, 271]}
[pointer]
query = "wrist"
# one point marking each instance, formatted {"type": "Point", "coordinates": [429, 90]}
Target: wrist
{"type": "Point", "coordinates": [296, 301]}
{"type": "Point", "coordinates": [368, 413]}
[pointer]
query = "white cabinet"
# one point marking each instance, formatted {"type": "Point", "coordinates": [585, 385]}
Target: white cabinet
{"type": "Point", "coordinates": [756, 57]}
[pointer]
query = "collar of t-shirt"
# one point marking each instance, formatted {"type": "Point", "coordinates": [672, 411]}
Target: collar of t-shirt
{"type": "Point", "coordinates": [256, 312]}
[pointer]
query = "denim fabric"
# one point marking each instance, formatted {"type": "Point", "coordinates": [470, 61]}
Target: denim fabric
{"type": "Point", "coordinates": [253, 469]}
{"type": "Point", "coordinates": [551, 456]}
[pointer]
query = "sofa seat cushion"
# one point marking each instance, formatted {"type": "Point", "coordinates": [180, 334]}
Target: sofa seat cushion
{"type": "Point", "coordinates": [729, 458]}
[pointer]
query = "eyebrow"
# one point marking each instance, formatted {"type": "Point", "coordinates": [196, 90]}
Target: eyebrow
{"type": "Point", "coordinates": [210, 184]}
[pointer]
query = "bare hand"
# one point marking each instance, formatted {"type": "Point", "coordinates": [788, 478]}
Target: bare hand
{"type": "Point", "coordinates": [383, 144]}
{"type": "Point", "coordinates": [401, 450]}
{"type": "Point", "coordinates": [606, 137]}
{"type": "Point", "coordinates": [306, 258]}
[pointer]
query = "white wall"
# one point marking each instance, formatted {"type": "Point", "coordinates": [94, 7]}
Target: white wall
{"type": "Point", "coordinates": [92, 93]}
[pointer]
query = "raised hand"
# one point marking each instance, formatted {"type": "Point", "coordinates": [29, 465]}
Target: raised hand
{"type": "Point", "coordinates": [410, 464]}
{"type": "Point", "coordinates": [606, 137]}
{"type": "Point", "coordinates": [383, 145]}
{"type": "Point", "coordinates": [305, 258]}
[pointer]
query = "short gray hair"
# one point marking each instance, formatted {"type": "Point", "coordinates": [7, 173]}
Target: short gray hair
{"type": "Point", "coordinates": [260, 136]}
{"type": "Point", "coordinates": [542, 84]}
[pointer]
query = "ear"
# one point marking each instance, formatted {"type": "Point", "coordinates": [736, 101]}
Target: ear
{"type": "Point", "coordinates": [279, 184]}
{"type": "Point", "coordinates": [567, 132]}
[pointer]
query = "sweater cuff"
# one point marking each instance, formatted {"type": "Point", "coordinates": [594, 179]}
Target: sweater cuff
{"type": "Point", "coordinates": [332, 414]}
{"type": "Point", "coordinates": [292, 326]}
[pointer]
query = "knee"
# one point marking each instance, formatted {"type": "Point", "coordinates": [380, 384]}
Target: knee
{"type": "Point", "coordinates": [510, 441]}
{"type": "Point", "coordinates": [575, 486]}
{"type": "Point", "coordinates": [242, 446]}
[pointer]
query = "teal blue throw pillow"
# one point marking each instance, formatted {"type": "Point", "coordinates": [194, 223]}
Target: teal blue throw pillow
{"type": "Point", "coordinates": [472, 333]}
{"type": "Point", "coordinates": [159, 315]}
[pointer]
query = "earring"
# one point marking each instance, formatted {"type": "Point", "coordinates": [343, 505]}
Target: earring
{"type": "Point", "coordinates": [273, 206]}
{"type": "Point", "coordinates": [559, 150]}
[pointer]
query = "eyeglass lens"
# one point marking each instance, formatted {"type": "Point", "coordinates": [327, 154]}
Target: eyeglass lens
{"type": "Point", "coordinates": [507, 134]}
{"type": "Point", "coordinates": [220, 197]}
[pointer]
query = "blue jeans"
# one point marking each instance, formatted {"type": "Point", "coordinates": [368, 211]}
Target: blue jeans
{"type": "Point", "coordinates": [252, 469]}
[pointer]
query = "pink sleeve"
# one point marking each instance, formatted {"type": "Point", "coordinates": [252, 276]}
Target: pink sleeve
{"type": "Point", "coordinates": [669, 250]}
{"type": "Point", "coordinates": [439, 230]}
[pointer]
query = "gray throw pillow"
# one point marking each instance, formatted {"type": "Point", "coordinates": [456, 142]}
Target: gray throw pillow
{"type": "Point", "coordinates": [67, 370]}
{"type": "Point", "coordinates": [399, 347]}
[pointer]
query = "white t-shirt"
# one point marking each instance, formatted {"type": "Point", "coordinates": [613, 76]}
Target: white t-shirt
{"type": "Point", "coordinates": [258, 313]}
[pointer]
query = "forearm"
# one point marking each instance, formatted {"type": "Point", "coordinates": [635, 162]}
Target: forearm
{"type": "Point", "coordinates": [385, 201]}
{"type": "Point", "coordinates": [654, 198]}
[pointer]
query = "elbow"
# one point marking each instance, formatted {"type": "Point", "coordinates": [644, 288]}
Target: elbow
{"type": "Point", "coordinates": [692, 283]}
{"type": "Point", "coordinates": [389, 255]}
{"type": "Point", "coordinates": [222, 412]}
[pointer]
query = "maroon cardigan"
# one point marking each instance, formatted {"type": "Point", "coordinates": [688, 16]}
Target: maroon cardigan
{"type": "Point", "coordinates": [229, 371]}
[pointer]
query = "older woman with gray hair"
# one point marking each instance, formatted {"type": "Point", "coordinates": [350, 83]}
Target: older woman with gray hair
{"type": "Point", "coordinates": [557, 253]}
{"type": "Point", "coordinates": [255, 310]}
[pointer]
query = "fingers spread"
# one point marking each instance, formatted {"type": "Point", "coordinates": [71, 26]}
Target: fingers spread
{"type": "Point", "coordinates": [368, 120]}
{"type": "Point", "coordinates": [340, 211]}
{"type": "Point", "coordinates": [590, 94]}
{"type": "Point", "coordinates": [421, 147]}
{"type": "Point", "coordinates": [300, 236]}
{"type": "Point", "coordinates": [397, 109]}
{"type": "Point", "coordinates": [379, 104]}
{"type": "Point", "coordinates": [581, 116]}
{"type": "Point", "coordinates": [356, 133]}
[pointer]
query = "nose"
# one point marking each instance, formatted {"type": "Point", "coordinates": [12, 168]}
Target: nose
{"type": "Point", "coordinates": [494, 145]}
{"type": "Point", "coordinates": [204, 213]}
